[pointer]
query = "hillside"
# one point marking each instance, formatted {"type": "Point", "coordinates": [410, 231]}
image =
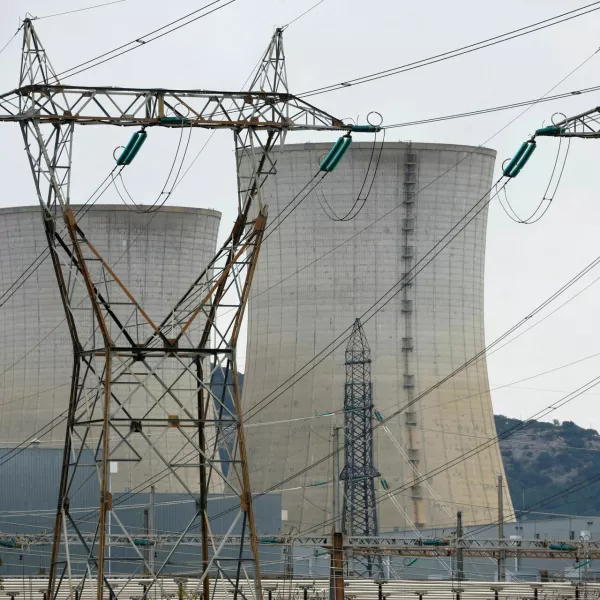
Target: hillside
{"type": "Point", "coordinates": [543, 459]}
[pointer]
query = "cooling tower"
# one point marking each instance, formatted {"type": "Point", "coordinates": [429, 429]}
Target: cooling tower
{"type": "Point", "coordinates": [317, 273]}
{"type": "Point", "coordinates": [157, 255]}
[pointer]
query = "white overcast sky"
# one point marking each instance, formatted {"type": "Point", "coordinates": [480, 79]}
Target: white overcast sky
{"type": "Point", "coordinates": [340, 40]}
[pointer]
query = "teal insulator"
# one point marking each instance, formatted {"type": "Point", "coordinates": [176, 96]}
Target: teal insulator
{"type": "Point", "coordinates": [141, 542]}
{"type": "Point", "coordinates": [526, 156]}
{"type": "Point", "coordinates": [435, 542]}
{"type": "Point", "coordinates": [562, 547]}
{"type": "Point", "coordinates": [130, 144]}
{"type": "Point", "coordinates": [268, 540]}
{"type": "Point", "coordinates": [384, 484]}
{"type": "Point", "coordinates": [173, 120]}
{"type": "Point", "coordinates": [366, 128]}
{"type": "Point", "coordinates": [333, 163]}
{"type": "Point", "coordinates": [550, 130]}
{"type": "Point", "coordinates": [515, 159]}
{"type": "Point", "coordinates": [323, 166]}
{"type": "Point", "coordinates": [139, 142]}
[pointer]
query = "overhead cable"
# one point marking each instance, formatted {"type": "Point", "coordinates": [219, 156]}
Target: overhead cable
{"type": "Point", "coordinates": [327, 349]}
{"type": "Point", "coordinates": [505, 37]}
{"type": "Point", "coordinates": [9, 41]}
{"type": "Point", "coordinates": [562, 289]}
{"type": "Point", "coordinates": [379, 304]}
{"type": "Point", "coordinates": [351, 214]}
{"type": "Point", "coordinates": [544, 204]}
{"type": "Point", "coordinates": [164, 195]}
{"type": "Point", "coordinates": [492, 441]}
{"type": "Point", "coordinates": [35, 265]}
{"type": "Point", "coordinates": [484, 111]}
{"type": "Point", "coordinates": [77, 10]}
{"type": "Point", "coordinates": [143, 39]}
{"type": "Point", "coordinates": [303, 14]}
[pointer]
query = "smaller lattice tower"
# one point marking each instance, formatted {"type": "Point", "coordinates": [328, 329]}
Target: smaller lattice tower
{"type": "Point", "coordinates": [359, 514]}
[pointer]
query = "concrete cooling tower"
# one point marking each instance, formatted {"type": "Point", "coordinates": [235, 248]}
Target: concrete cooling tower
{"type": "Point", "coordinates": [317, 274]}
{"type": "Point", "coordinates": [157, 255]}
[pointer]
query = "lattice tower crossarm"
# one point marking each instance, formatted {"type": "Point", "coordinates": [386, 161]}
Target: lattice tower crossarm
{"type": "Point", "coordinates": [136, 379]}
{"type": "Point", "coordinates": [359, 513]}
{"type": "Point", "coordinates": [583, 125]}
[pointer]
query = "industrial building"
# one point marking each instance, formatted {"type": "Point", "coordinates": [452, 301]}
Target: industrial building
{"type": "Point", "coordinates": [30, 480]}
{"type": "Point", "coordinates": [157, 254]}
{"type": "Point", "coordinates": [364, 233]}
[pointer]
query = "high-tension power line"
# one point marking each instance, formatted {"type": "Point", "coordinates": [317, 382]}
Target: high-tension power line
{"type": "Point", "coordinates": [485, 111]}
{"type": "Point", "coordinates": [182, 121]}
{"type": "Point", "coordinates": [77, 10]}
{"type": "Point", "coordinates": [382, 302]}
{"type": "Point", "coordinates": [493, 41]}
{"type": "Point", "coordinates": [142, 40]}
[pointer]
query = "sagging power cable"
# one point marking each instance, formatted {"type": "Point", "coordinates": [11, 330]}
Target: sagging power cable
{"type": "Point", "coordinates": [327, 166]}
{"type": "Point", "coordinates": [549, 194]}
{"type": "Point", "coordinates": [164, 194]}
{"type": "Point", "coordinates": [360, 201]}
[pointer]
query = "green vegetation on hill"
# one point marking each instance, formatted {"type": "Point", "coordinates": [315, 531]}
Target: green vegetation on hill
{"type": "Point", "coordinates": [543, 459]}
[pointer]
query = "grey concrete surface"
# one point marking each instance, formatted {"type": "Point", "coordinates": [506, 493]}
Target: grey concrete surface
{"type": "Point", "coordinates": [425, 330]}
{"type": "Point", "coordinates": [157, 255]}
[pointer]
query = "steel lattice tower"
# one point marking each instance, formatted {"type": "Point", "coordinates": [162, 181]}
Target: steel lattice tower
{"type": "Point", "coordinates": [359, 516]}
{"type": "Point", "coordinates": [121, 355]}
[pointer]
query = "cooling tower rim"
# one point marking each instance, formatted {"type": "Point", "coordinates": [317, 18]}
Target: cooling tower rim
{"type": "Point", "coordinates": [119, 208]}
{"type": "Point", "coordinates": [303, 146]}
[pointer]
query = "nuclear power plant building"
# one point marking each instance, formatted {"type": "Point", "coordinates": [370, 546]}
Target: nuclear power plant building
{"type": "Point", "coordinates": [362, 245]}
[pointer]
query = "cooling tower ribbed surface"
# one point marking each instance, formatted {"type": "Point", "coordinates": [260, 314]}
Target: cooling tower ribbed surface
{"type": "Point", "coordinates": [316, 275]}
{"type": "Point", "coordinates": [157, 255]}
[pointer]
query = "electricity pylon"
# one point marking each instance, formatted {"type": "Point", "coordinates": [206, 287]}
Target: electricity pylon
{"type": "Point", "coordinates": [121, 354]}
{"type": "Point", "coordinates": [359, 514]}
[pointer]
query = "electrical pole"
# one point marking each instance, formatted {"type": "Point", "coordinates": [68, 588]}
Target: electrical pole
{"type": "Point", "coordinates": [501, 550]}
{"type": "Point", "coordinates": [336, 577]}
{"type": "Point", "coordinates": [147, 548]}
{"type": "Point", "coordinates": [152, 527]}
{"type": "Point", "coordinates": [460, 565]}
{"type": "Point", "coordinates": [360, 508]}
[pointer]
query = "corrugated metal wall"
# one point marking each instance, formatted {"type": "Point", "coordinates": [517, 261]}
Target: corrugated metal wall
{"type": "Point", "coordinates": [29, 481]}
